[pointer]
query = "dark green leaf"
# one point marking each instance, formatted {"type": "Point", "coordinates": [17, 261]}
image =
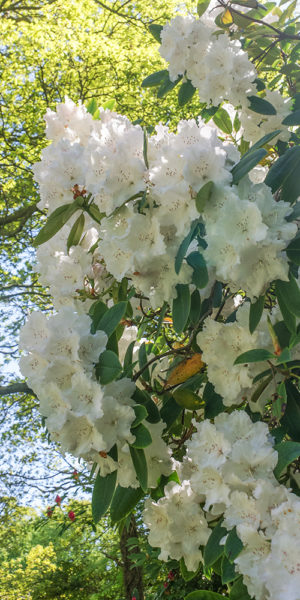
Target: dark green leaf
{"type": "Point", "coordinates": [143, 359]}
{"type": "Point", "coordinates": [195, 311]}
{"type": "Point", "coordinates": [208, 113]}
{"type": "Point", "coordinates": [203, 196]}
{"type": "Point", "coordinates": [223, 121]}
{"type": "Point", "coordinates": [155, 78]}
{"type": "Point", "coordinates": [288, 317]}
{"type": "Point", "coordinates": [287, 453]}
{"type": "Point", "coordinates": [228, 572]}
{"type": "Point", "coordinates": [262, 142]}
{"type": "Point", "coordinates": [76, 232]}
{"type": "Point", "coordinates": [261, 106]}
{"type": "Point", "coordinates": [251, 356]}
{"type": "Point", "coordinates": [290, 293]}
{"type": "Point", "coordinates": [200, 274]}
{"type": "Point", "coordinates": [112, 318]}
{"type": "Point", "coordinates": [142, 436]}
{"type": "Point", "coordinates": [128, 356]}
{"type": "Point", "coordinates": [292, 119]}
{"type": "Point", "coordinates": [103, 492]}
{"type": "Point", "coordinates": [256, 311]}
{"type": "Point", "coordinates": [284, 174]}
{"type": "Point", "coordinates": [185, 93]}
{"type": "Point", "coordinates": [108, 367]}
{"type": "Point", "coordinates": [202, 5]}
{"type": "Point", "coordinates": [293, 250]}
{"type": "Point", "coordinates": [156, 30]}
{"type": "Point", "coordinates": [96, 313]}
{"type": "Point", "coordinates": [205, 595]}
{"type": "Point", "coordinates": [213, 402]}
{"type": "Point", "coordinates": [187, 575]}
{"type": "Point", "coordinates": [181, 307]}
{"type": "Point", "coordinates": [170, 411]}
{"type": "Point", "coordinates": [161, 319]}
{"type": "Point", "coordinates": [184, 246]}
{"type": "Point", "coordinates": [92, 106]}
{"type": "Point", "coordinates": [295, 214]}
{"type": "Point", "coordinates": [142, 397]}
{"type": "Point", "coordinates": [291, 417]}
{"type": "Point", "coordinates": [124, 501]}
{"type": "Point", "coordinates": [260, 84]}
{"type": "Point", "coordinates": [213, 550]}
{"type": "Point", "coordinates": [55, 222]}
{"type": "Point", "coordinates": [239, 591]}
{"type": "Point", "coordinates": [140, 414]}
{"type": "Point", "coordinates": [140, 466]}
{"type": "Point", "coordinates": [246, 164]}
{"type": "Point", "coordinates": [233, 545]}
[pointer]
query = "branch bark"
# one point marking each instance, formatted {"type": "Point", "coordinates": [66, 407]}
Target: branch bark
{"type": "Point", "coordinates": [16, 388]}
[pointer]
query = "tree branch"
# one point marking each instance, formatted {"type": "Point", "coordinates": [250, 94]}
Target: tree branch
{"type": "Point", "coordinates": [16, 388]}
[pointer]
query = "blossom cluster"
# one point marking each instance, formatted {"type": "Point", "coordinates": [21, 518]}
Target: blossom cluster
{"type": "Point", "coordinates": [148, 204]}
{"type": "Point", "coordinates": [220, 70]}
{"type": "Point", "coordinates": [228, 472]}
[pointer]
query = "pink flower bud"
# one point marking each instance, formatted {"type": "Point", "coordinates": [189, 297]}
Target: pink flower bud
{"type": "Point", "coordinates": [58, 500]}
{"type": "Point", "coordinates": [71, 515]}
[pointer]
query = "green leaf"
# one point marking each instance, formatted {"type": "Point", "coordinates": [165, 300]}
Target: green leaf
{"type": "Point", "coordinates": [279, 401]}
{"type": "Point", "coordinates": [170, 411]}
{"type": "Point", "coordinates": [213, 550]}
{"type": "Point", "coordinates": [167, 86]}
{"type": "Point", "coordinates": [261, 106]}
{"type": "Point", "coordinates": [142, 397]}
{"type": "Point", "coordinates": [260, 84]}
{"type": "Point", "coordinates": [293, 250]}
{"type": "Point", "coordinates": [256, 311]}
{"type": "Point", "coordinates": [223, 120]}
{"type": "Point", "coordinates": [143, 359]}
{"type": "Point", "coordinates": [290, 293]}
{"type": "Point", "coordinates": [233, 545]}
{"type": "Point", "coordinates": [112, 317]}
{"type": "Point", "coordinates": [55, 222]}
{"type": "Point", "coordinates": [257, 355]}
{"type": "Point", "coordinates": [103, 492]}
{"type": "Point", "coordinates": [142, 436]}
{"type": "Point", "coordinates": [200, 275]}
{"type": "Point", "coordinates": [205, 595]}
{"type": "Point", "coordinates": [128, 356]}
{"type": "Point", "coordinates": [187, 399]}
{"type": "Point", "coordinates": [124, 501]}
{"type": "Point", "coordinates": [92, 106]}
{"type": "Point", "coordinates": [295, 214]}
{"type": "Point", "coordinates": [184, 246]}
{"type": "Point", "coordinates": [203, 196]}
{"type": "Point", "coordinates": [292, 119]}
{"type": "Point", "coordinates": [208, 113]}
{"type": "Point", "coordinates": [76, 232]}
{"type": "Point", "coordinates": [96, 313]}
{"type": "Point", "coordinates": [140, 414]}
{"type": "Point", "coordinates": [228, 572]}
{"type": "Point", "coordinates": [109, 104]}
{"type": "Point", "coordinates": [202, 5]}
{"type": "Point", "coordinates": [108, 367]}
{"type": "Point", "coordinates": [186, 575]}
{"type": "Point", "coordinates": [140, 465]}
{"type": "Point", "coordinates": [239, 591]}
{"type": "Point", "coordinates": [156, 30]}
{"type": "Point", "coordinates": [263, 141]}
{"type": "Point", "coordinates": [287, 453]}
{"type": "Point", "coordinates": [195, 311]}
{"type": "Point", "coordinates": [186, 92]}
{"type": "Point", "coordinates": [156, 78]}
{"type": "Point", "coordinates": [284, 174]}
{"type": "Point", "coordinates": [246, 164]}
{"type": "Point", "coordinates": [181, 307]}
{"type": "Point", "coordinates": [213, 402]}
{"type": "Point", "coordinates": [291, 418]}
{"type": "Point", "coordinates": [288, 317]}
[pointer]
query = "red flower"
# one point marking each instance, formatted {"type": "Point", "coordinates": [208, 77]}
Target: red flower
{"type": "Point", "coordinates": [71, 515]}
{"type": "Point", "coordinates": [58, 500]}
{"type": "Point", "coordinates": [133, 598]}
{"type": "Point", "coordinates": [75, 474]}
{"type": "Point", "coordinates": [165, 584]}
{"type": "Point", "coordinates": [49, 512]}
{"type": "Point", "coordinates": [171, 575]}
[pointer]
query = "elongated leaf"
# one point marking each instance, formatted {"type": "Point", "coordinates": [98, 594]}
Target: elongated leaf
{"type": "Point", "coordinates": [143, 359]}
{"type": "Point", "coordinates": [195, 311]}
{"type": "Point", "coordinates": [184, 246]}
{"type": "Point", "coordinates": [109, 104]}
{"type": "Point", "coordinates": [289, 291]}
{"type": "Point", "coordinates": [128, 356]}
{"type": "Point", "coordinates": [203, 196]}
{"type": "Point", "coordinates": [96, 313]}
{"type": "Point", "coordinates": [262, 142]}
{"type": "Point", "coordinates": [205, 595]}
{"type": "Point", "coordinates": [233, 545]}
{"type": "Point", "coordinates": [284, 174]}
{"type": "Point", "coordinates": [251, 356]}
{"type": "Point", "coordinates": [167, 86]}
{"type": "Point", "coordinates": [55, 222]}
{"type": "Point", "coordinates": [187, 575]}
{"type": "Point", "coordinates": [202, 5]}
{"type": "Point", "coordinates": [295, 214]}
{"type": "Point", "coordinates": [155, 79]}
{"type": "Point", "coordinates": [142, 436]}
{"type": "Point", "coordinates": [108, 367]}
{"type": "Point", "coordinates": [213, 402]}
{"type": "Point", "coordinates": [287, 453]}
{"type": "Point", "coordinates": [170, 411]}
{"type": "Point", "coordinates": [261, 106]}
{"type": "Point", "coordinates": [291, 418]}
{"type": "Point", "coordinates": [292, 119]}
{"type": "Point", "coordinates": [76, 232]}
{"type": "Point", "coordinates": [92, 106]}
{"type": "Point", "coordinates": [181, 307]}
{"type": "Point", "coordinates": [200, 276]}
{"type": "Point", "coordinates": [256, 311]}
{"type": "Point", "coordinates": [140, 465]}
{"type": "Point", "coordinates": [142, 397]}
{"type": "Point", "coordinates": [140, 414]}
{"type": "Point", "coordinates": [187, 399]}
{"type": "Point", "coordinates": [247, 163]}
{"type": "Point", "coordinates": [213, 550]}
{"type": "Point", "coordinates": [288, 317]}
{"type": "Point", "coordinates": [112, 318]}
{"type": "Point", "coordinates": [103, 492]}
{"type": "Point", "coordinates": [223, 120]}
{"type": "Point", "coordinates": [185, 93]}
{"type": "Point", "coordinates": [156, 30]}
{"type": "Point", "coordinates": [239, 591]}
{"type": "Point", "coordinates": [124, 501]}
{"type": "Point", "coordinates": [293, 250]}
{"type": "Point", "coordinates": [228, 572]}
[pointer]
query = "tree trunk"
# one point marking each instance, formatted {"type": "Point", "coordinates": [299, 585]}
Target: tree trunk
{"type": "Point", "coordinates": [132, 577]}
